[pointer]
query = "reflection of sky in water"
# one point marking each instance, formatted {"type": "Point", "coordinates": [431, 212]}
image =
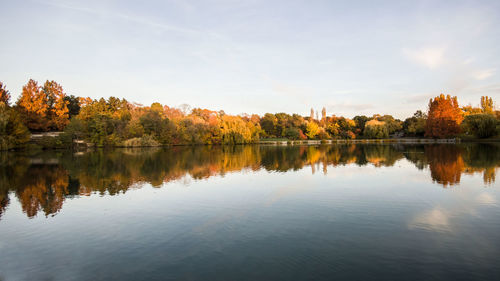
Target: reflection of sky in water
{"type": "Point", "coordinates": [355, 221]}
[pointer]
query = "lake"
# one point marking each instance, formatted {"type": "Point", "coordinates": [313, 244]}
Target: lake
{"type": "Point", "coordinates": [344, 212]}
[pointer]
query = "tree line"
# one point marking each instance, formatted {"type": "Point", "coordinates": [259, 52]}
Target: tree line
{"type": "Point", "coordinates": [118, 122]}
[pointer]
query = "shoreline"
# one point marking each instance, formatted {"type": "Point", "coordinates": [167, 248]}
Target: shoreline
{"type": "Point", "coordinates": [82, 145]}
{"type": "Point", "coordinates": [343, 141]}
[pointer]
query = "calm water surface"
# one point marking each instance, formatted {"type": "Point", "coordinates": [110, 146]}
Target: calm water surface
{"type": "Point", "coordinates": [344, 212]}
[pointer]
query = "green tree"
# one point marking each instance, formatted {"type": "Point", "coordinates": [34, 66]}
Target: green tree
{"type": "Point", "coordinates": [292, 133]}
{"type": "Point", "coordinates": [376, 129]}
{"type": "Point", "coordinates": [393, 125]}
{"type": "Point", "coordinates": [283, 121]}
{"type": "Point", "coordinates": [13, 133]}
{"type": "Point", "coordinates": [415, 125]}
{"type": "Point", "coordinates": [360, 121]}
{"type": "Point", "coordinates": [268, 123]}
{"type": "Point", "coordinates": [480, 125]}
{"type": "Point", "coordinates": [73, 104]}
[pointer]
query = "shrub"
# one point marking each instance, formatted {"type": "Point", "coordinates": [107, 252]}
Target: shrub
{"type": "Point", "coordinates": [12, 131]}
{"type": "Point", "coordinates": [49, 142]}
{"type": "Point", "coordinates": [292, 133]}
{"type": "Point", "coordinates": [146, 140]}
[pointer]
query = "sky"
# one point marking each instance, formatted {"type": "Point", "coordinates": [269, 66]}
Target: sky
{"type": "Point", "coordinates": [351, 57]}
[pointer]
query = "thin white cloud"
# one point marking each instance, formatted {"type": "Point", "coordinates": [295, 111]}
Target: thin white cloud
{"type": "Point", "coordinates": [484, 74]}
{"type": "Point", "coordinates": [430, 57]}
{"type": "Point", "coordinates": [126, 17]}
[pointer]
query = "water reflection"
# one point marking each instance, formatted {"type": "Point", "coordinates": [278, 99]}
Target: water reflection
{"type": "Point", "coordinates": [42, 182]}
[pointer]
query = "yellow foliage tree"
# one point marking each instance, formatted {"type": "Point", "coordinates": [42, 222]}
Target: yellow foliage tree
{"type": "Point", "coordinates": [58, 107]}
{"type": "Point", "coordinates": [312, 130]}
{"type": "Point", "coordinates": [487, 104]}
{"type": "Point", "coordinates": [234, 130]}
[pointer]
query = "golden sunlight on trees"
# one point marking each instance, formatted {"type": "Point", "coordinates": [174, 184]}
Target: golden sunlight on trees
{"type": "Point", "coordinates": [312, 129]}
{"type": "Point", "coordinates": [487, 105]}
{"type": "Point", "coordinates": [117, 122]}
{"type": "Point", "coordinates": [58, 106]}
{"type": "Point", "coordinates": [235, 131]}
{"type": "Point", "coordinates": [444, 117]}
{"type": "Point", "coordinates": [33, 106]}
{"type": "Point", "coordinates": [43, 108]}
{"type": "Point", "coordinates": [376, 129]}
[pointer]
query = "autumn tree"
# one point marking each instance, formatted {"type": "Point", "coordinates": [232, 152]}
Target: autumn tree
{"type": "Point", "coordinates": [312, 130]}
{"type": "Point", "coordinates": [340, 126]}
{"type": "Point", "coordinates": [34, 107]}
{"type": "Point", "coordinates": [444, 117]}
{"type": "Point", "coordinates": [234, 130]}
{"type": "Point", "coordinates": [469, 109]}
{"type": "Point", "coordinates": [487, 104]}
{"type": "Point", "coordinates": [58, 115]}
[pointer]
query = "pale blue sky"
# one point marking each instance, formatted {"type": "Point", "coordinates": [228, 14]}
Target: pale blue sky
{"type": "Point", "coordinates": [353, 57]}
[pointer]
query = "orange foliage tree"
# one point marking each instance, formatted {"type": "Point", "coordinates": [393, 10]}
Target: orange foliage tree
{"type": "Point", "coordinates": [444, 117]}
{"type": "Point", "coordinates": [43, 108]}
{"type": "Point", "coordinates": [33, 106]}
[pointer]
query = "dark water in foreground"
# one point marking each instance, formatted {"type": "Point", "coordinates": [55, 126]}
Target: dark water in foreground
{"type": "Point", "coordinates": [344, 212]}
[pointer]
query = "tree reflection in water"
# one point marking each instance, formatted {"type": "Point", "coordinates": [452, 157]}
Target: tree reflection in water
{"type": "Point", "coordinates": [42, 182]}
